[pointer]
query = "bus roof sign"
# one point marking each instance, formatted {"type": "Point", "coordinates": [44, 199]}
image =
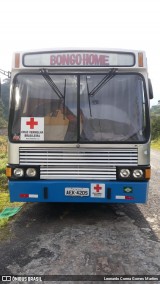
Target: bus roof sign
{"type": "Point", "coordinates": [78, 59]}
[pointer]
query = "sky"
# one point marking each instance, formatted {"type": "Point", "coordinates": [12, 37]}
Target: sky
{"type": "Point", "coordinates": [39, 24]}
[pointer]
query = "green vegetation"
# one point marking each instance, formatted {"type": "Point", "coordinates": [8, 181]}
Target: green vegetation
{"type": "Point", "coordinates": [155, 126]}
{"type": "Point", "coordinates": [155, 144]}
{"type": "Point", "coordinates": [4, 103]}
{"type": "Point", "coordinates": [3, 122]}
{"type": "Point", "coordinates": [5, 88]}
{"type": "Point", "coordinates": [4, 194]}
{"type": "Point", "coordinates": [155, 110]}
{"type": "Point", "coordinates": [4, 202]}
{"type": "Point", "coordinates": [3, 159]}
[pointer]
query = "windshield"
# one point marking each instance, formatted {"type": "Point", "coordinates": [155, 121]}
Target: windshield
{"type": "Point", "coordinates": [78, 108]}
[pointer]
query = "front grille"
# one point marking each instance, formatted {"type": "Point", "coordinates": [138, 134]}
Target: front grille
{"type": "Point", "coordinates": [86, 163]}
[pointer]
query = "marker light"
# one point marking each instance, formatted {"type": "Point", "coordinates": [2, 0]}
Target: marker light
{"type": "Point", "coordinates": [31, 172]}
{"type": "Point", "coordinates": [140, 59]}
{"type": "Point", "coordinates": [124, 173]}
{"type": "Point", "coordinates": [18, 172]}
{"type": "Point", "coordinates": [17, 60]}
{"type": "Point", "coordinates": [138, 173]}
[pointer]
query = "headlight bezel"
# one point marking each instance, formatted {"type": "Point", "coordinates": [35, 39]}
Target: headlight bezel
{"type": "Point", "coordinates": [20, 170]}
{"type": "Point", "coordinates": [10, 172]}
{"type": "Point", "coordinates": [142, 169]}
{"type": "Point", "coordinates": [30, 171]}
{"type": "Point", "coordinates": [123, 171]}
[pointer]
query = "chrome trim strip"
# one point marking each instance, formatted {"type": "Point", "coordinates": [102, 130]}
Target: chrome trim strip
{"type": "Point", "coordinates": [86, 163]}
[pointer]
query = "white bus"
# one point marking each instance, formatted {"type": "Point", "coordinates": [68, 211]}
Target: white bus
{"type": "Point", "coordinates": [79, 126]}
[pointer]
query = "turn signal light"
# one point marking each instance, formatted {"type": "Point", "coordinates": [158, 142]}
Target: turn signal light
{"type": "Point", "coordinates": [147, 173]}
{"type": "Point", "coordinates": [8, 172]}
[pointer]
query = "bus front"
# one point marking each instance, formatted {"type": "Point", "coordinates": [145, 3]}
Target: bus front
{"type": "Point", "coordinates": [79, 127]}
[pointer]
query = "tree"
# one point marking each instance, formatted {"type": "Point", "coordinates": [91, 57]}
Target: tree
{"type": "Point", "coordinates": [5, 89]}
{"type": "Point", "coordinates": [3, 122]}
{"type": "Point", "coordinates": [155, 127]}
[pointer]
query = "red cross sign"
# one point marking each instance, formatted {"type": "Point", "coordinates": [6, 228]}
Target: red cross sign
{"type": "Point", "coordinates": [32, 128]}
{"type": "Point", "coordinates": [97, 188]}
{"type": "Point", "coordinates": [32, 123]}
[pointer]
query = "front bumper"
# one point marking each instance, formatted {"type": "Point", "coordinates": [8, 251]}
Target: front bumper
{"type": "Point", "coordinates": [54, 191]}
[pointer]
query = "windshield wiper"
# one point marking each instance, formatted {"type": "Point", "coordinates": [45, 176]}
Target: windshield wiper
{"type": "Point", "coordinates": [64, 100]}
{"type": "Point", "coordinates": [54, 87]}
{"type": "Point", "coordinates": [100, 85]}
{"type": "Point", "coordinates": [51, 83]}
{"type": "Point", "coordinates": [103, 82]}
{"type": "Point", "coordinates": [89, 102]}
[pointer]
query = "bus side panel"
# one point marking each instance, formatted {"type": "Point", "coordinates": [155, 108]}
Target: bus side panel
{"type": "Point", "coordinates": [98, 191]}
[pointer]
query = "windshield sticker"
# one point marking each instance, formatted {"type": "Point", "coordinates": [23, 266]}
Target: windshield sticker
{"type": "Point", "coordinates": [98, 190]}
{"type": "Point", "coordinates": [32, 128]}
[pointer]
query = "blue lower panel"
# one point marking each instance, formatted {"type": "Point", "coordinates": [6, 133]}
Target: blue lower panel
{"type": "Point", "coordinates": [98, 191]}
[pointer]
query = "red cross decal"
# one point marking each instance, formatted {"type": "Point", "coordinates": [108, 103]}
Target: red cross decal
{"type": "Point", "coordinates": [32, 123]}
{"type": "Point", "coordinates": [97, 188]}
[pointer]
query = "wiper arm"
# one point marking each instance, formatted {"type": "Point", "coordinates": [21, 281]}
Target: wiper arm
{"type": "Point", "coordinates": [64, 101]}
{"type": "Point", "coordinates": [89, 102]}
{"type": "Point", "coordinates": [51, 83]}
{"type": "Point", "coordinates": [54, 87]}
{"type": "Point", "coordinates": [103, 82]}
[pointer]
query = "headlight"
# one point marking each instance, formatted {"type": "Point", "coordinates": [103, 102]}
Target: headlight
{"type": "Point", "coordinates": [31, 172]}
{"type": "Point", "coordinates": [138, 173]}
{"type": "Point", "coordinates": [18, 172]}
{"type": "Point", "coordinates": [125, 173]}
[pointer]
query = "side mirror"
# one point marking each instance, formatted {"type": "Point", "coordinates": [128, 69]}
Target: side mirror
{"type": "Point", "coordinates": [150, 89]}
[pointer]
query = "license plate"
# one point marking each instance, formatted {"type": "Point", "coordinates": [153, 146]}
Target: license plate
{"type": "Point", "coordinates": [73, 191]}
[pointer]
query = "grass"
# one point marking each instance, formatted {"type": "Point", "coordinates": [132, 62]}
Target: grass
{"type": "Point", "coordinates": [4, 193]}
{"type": "Point", "coordinates": [3, 162]}
{"type": "Point", "coordinates": [4, 203]}
{"type": "Point", "coordinates": [155, 144]}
